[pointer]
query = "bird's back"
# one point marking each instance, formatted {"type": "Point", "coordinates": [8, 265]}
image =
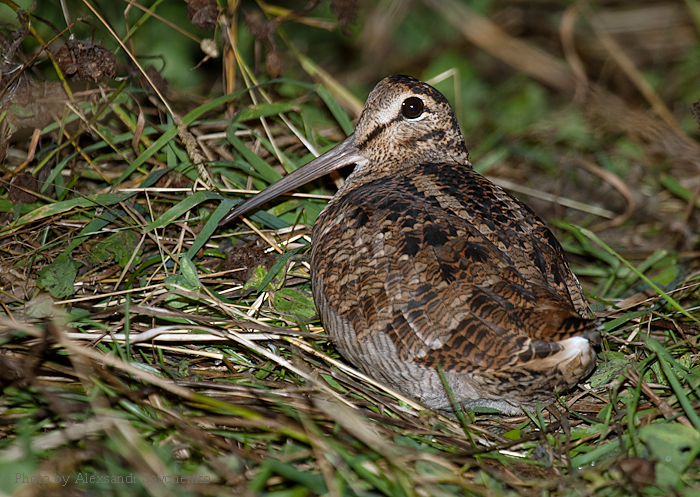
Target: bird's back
{"type": "Point", "coordinates": [439, 265]}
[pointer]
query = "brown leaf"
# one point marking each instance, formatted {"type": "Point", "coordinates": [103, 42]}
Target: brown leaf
{"type": "Point", "coordinates": [203, 13]}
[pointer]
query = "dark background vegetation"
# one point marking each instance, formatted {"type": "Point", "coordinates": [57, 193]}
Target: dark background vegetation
{"type": "Point", "coordinates": [111, 191]}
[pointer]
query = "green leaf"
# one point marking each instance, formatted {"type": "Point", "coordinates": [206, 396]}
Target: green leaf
{"type": "Point", "coordinates": [513, 434]}
{"type": "Point", "coordinates": [674, 446]}
{"type": "Point", "coordinates": [611, 366]}
{"type": "Point", "coordinates": [118, 246]}
{"type": "Point", "coordinates": [277, 267]}
{"type": "Point", "coordinates": [42, 306]}
{"type": "Point", "coordinates": [188, 272]}
{"type": "Point", "coordinates": [259, 274]}
{"type": "Point", "coordinates": [187, 278]}
{"type": "Point", "coordinates": [262, 278]}
{"type": "Point", "coordinates": [292, 301]}
{"type": "Point", "coordinates": [58, 277]}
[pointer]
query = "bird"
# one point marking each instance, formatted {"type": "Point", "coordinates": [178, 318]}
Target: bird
{"type": "Point", "coordinates": [422, 266]}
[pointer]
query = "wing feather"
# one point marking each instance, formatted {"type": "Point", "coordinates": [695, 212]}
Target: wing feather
{"type": "Point", "coordinates": [471, 283]}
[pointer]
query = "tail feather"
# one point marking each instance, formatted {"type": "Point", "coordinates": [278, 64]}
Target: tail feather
{"type": "Point", "coordinates": [574, 356]}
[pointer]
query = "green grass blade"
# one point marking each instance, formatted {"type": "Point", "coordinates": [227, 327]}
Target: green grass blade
{"type": "Point", "coordinates": [641, 276]}
{"type": "Point", "coordinates": [180, 209]}
{"type": "Point", "coordinates": [666, 361]}
{"type": "Point", "coordinates": [211, 225]}
{"type": "Point", "coordinates": [265, 170]}
{"type": "Point", "coordinates": [100, 199]}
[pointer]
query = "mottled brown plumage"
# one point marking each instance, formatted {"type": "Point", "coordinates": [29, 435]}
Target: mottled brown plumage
{"type": "Point", "coordinates": [418, 261]}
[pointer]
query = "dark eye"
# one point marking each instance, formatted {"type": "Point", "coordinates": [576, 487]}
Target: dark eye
{"type": "Point", "coordinates": [412, 107]}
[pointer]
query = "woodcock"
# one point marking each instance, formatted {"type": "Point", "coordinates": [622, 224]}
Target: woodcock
{"type": "Point", "coordinates": [419, 261]}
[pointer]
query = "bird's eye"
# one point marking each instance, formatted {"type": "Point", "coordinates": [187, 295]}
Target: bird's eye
{"type": "Point", "coordinates": [412, 108]}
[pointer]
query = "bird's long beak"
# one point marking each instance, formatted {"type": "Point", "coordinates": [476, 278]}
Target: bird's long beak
{"type": "Point", "coordinates": [343, 154]}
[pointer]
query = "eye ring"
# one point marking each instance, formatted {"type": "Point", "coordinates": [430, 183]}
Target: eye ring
{"type": "Point", "coordinates": [412, 108]}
